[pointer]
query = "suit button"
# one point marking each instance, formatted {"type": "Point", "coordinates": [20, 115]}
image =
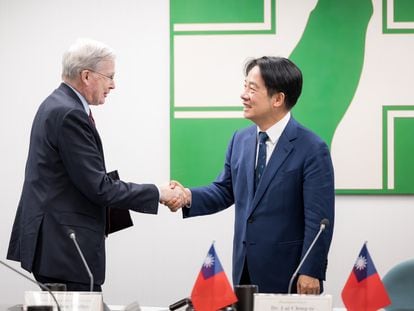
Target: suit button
{"type": "Point", "coordinates": [250, 220]}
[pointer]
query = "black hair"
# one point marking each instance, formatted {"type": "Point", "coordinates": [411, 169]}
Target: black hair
{"type": "Point", "coordinates": [279, 75]}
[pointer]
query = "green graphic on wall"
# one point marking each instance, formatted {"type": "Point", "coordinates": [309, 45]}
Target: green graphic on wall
{"type": "Point", "coordinates": [216, 11]}
{"type": "Point", "coordinates": [330, 55]}
{"type": "Point", "coordinates": [398, 16]}
{"type": "Point", "coordinates": [329, 40]}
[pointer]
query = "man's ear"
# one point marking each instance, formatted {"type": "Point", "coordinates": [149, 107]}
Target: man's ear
{"type": "Point", "coordinates": [278, 99]}
{"type": "Point", "coordinates": [85, 76]}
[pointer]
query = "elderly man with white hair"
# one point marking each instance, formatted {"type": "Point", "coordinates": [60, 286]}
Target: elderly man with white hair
{"type": "Point", "coordinates": [66, 185]}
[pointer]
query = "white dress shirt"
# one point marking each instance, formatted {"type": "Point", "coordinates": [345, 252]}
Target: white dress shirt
{"type": "Point", "coordinates": [274, 133]}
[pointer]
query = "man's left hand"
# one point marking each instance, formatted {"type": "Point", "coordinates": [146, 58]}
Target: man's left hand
{"type": "Point", "coordinates": [308, 285]}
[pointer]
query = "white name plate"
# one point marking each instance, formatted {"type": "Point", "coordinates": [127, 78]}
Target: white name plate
{"type": "Point", "coordinates": [283, 302]}
{"type": "Point", "coordinates": [68, 301]}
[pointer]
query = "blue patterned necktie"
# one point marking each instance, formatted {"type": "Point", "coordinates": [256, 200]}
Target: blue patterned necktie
{"type": "Point", "coordinates": [261, 158]}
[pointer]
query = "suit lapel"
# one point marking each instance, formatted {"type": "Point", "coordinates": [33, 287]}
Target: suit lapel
{"type": "Point", "coordinates": [97, 140]}
{"type": "Point", "coordinates": [250, 159]}
{"type": "Point", "coordinates": [281, 152]}
{"type": "Point", "coordinates": [69, 92]}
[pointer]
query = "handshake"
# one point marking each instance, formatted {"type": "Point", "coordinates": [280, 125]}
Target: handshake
{"type": "Point", "coordinates": [174, 195]}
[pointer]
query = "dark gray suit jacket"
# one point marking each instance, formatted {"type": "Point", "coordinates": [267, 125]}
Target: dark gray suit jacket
{"type": "Point", "coordinates": [66, 186]}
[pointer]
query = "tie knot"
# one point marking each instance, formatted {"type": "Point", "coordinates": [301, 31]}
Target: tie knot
{"type": "Point", "coordinates": [263, 137]}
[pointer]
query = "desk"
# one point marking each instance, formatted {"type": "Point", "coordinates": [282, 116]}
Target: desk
{"type": "Point", "coordinates": [121, 308]}
{"type": "Point", "coordinates": [111, 307]}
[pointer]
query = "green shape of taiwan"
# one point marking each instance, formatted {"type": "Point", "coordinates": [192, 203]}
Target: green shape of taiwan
{"type": "Point", "coordinates": [331, 56]}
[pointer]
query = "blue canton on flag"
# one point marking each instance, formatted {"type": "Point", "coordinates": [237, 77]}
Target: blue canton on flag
{"type": "Point", "coordinates": [364, 267]}
{"type": "Point", "coordinates": [211, 265]}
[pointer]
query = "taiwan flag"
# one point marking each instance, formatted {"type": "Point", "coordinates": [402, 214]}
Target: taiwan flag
{"type": "Point", "coordinates": [364, 290]}
{"type": "Point", "coordinates": [212, 290]}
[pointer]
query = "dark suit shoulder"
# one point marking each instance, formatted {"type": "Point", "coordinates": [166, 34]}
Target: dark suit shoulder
{"type": "Point", "coordinates": [58, 105]}
{"type": "Point", "coordinates": [62, 99]}
{"type": "Point", "coordinates": [246, 131]}
{"type": "Point", "coordinates": [295, 130]}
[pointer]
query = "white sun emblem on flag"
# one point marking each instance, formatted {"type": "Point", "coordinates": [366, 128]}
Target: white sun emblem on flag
{"type": "Point", "coordinates": [361, 263]}
{"type": "Point", "coordinates": [209, 261]}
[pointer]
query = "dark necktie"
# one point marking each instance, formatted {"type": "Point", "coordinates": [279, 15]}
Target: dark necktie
{"type": "Point", "coordinates": [261, 158]}
{"type": "Point", "coordinates": [91, 117]}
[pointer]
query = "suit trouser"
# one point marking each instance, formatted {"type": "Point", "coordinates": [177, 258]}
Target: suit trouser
{"type": "Point", "coordinates": [245, 277]}
{"type": "Point", "coordinates": [70, 286]}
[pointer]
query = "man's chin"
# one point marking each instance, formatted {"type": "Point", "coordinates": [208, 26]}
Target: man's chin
{"type": "Point", "coordinates": [247, 115]}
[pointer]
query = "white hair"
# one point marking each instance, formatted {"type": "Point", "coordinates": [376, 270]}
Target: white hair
{"type": "Point", "coordinates": [84, 54]}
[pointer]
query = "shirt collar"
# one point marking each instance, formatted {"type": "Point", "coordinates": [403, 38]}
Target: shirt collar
{"type": "Point", "coordinates": [277, 129]}
{"type": "Point", "coordinates": [83, 100]}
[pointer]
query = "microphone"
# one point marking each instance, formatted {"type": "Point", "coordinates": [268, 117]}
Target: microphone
{"type": "Point", "coordinates": [324, 224]}
{"type": "Point", "coordinates": [42, 286]}
{"type": "Point", "coordinates": [180, 303]}
{"type": "Point", "coordinates": [72, 235]}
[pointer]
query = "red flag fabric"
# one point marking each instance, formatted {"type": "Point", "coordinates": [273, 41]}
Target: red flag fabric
{"type": "Point", "coordinates": [364, 290]}
{"type": "Point", "coordinates": [212, 290]}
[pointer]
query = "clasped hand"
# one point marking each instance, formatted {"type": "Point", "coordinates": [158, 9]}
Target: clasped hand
{"type": "Point", "coordinates": [175, 196]}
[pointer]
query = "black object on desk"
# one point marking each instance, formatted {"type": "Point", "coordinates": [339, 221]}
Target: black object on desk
{"type": "Point", "coordinates": [39, 308]}
{"type": "Point", "coordinates": [245, 295]}
{"type": "Point", "coordinates": [56, 287]}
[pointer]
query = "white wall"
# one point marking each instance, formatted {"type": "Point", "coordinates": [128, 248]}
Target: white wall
{"type": "Point", "coordinates": [156, 261]}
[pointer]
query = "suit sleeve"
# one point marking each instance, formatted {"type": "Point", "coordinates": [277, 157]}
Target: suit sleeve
{"type": "Point", "coordinates": [319, 201]}
{"type": "Point", "coordinates": [85, 166]}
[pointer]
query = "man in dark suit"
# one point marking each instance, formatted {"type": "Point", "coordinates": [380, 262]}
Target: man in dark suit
{"type": "Point", "coordinates": [66, 185]}
{"type": "Point", "coordinates": [280, 177]}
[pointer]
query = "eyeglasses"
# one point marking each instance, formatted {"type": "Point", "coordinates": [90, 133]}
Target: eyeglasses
{"type": "Point", "coordinates": [111, 77]}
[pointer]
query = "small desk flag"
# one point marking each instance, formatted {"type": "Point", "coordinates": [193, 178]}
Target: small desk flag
{"type": "Point", "coordinates": [212, 290]}
{"type": "Point", "coordinates": [364, 290]}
